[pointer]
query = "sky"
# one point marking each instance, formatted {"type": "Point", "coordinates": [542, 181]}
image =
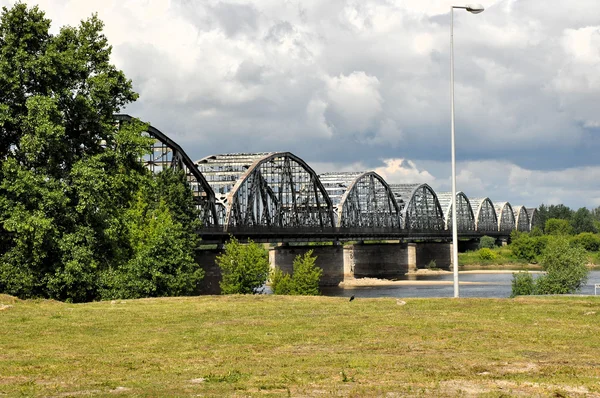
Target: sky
{"type": "Point", "coordinates": [365, 85]}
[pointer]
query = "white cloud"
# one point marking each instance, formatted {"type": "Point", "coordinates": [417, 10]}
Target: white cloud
{"type": "Point", "coordinates": [346, 83]}
{"type": "Point", "coordinates": [403, 171]}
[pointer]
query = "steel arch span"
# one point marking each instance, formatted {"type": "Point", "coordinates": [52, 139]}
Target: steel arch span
{"type": "Point", "coordinates": [362, 200]}
{"type": "Point", "coordinates": [521, 219]}
{"type": "Point", "coordinates": [166, 153]}
{"type": "Point", "coordinates": [275, 189]}
{"type": "Point", "coordinates": [506, 216]}
{"type": "Point", "coordinates": [465, 219]}
{"type": "Point", "coordinates": [533, 219]}
{"type": "Point", "coordinates": [420, 207]}
{"type": "Point", "coordinates": [486, 219]}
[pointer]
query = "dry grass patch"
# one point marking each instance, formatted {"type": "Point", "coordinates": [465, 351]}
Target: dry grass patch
{"type": "Point", "coordinates": [301, 346]}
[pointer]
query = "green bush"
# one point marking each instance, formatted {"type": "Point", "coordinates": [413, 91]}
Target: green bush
{"type": "Point", "coordinates": [305, 278]}
{"type": "Point", "coordinates": [486, 254]}
{"type": "Point", "coordinates": [522, 284]}
{"type": "Point", "coordinates": [588, 240]}
{"type": "Point", "coordinates": [565, 266]}
{"type": "Point", "coordinates": [527, 247]}
{"type": "Point", "coordinates": [281, 283]}
{"type": "Point", "coordinates": [487, 242]}
{"type": "Point", "coordinates": [244, 267]}
{"type": "Point", "coordinates": [555, 226]}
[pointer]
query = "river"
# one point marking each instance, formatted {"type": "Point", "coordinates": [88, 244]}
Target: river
{"type": "Point", "coordinates": [472, 284]}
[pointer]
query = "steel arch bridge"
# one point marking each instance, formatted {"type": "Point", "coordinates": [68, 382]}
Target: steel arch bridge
{"type": "Point", "coordinates": [362, 199]}
{"type": "Point", "coordinates": [420, 207]}
{"type": "Point", "coordinates": [276, 189]}
{"type": "Point", "coordinates": [465, 220]}
{"type": "Point", "coordinates": [166, 153]}
{"type": "Point", "coordinates": [277, 196]}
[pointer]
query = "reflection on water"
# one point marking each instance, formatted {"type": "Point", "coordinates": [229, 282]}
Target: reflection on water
{"type": "Point", "coordinates": [488, 285]}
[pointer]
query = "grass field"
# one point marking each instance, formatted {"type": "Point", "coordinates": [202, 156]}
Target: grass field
{"type": "Point", "coordinates": [301, 346]}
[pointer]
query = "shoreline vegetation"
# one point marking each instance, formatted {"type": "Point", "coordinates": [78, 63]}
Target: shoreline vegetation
{"type": "Point", "coordinates": [279, 346]}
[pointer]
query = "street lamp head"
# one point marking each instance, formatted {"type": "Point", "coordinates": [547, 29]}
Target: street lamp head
{"type": "Point", "coordinates": [474, 8]}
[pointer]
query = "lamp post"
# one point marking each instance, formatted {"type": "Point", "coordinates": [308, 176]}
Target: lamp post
{"type": "Point", "coordinates": [475, 9]}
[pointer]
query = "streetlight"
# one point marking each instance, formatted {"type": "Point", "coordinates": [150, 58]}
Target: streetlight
{"type": "Point", "coordinates": [474, 9]}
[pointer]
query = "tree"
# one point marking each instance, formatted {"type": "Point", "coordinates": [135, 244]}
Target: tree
{"type": "Point", "coordinates": [68, 176]}
{"type": "Point", "coordinates": [244, 267]}
{"type": "Point", "coordinates": [587, 240]}
{"type": "Point", "coordinates": [565, 266]}
{"type": "Point", "coordinates": [161, 230]}
{"type": "Point", "coordinates": [487, 242]}
{"type": "Point", "coordinates": [583, 221]}
{"type": "Point", "coordinates": [559, 211]}
{"type": "Point", "coordinates": [541, 216]}
{"type": "Point", "coordinates": [304, 280]}
{"type": "Point", "coordinates": [555, 226]}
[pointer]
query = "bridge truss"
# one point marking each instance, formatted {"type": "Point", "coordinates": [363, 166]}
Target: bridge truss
{"type": "Point", "coordinates": [166, 153]}
{"type": "Point", "coordinates": [486, 219]}
{"type": "Point", "coordinates": [272, 190]}
{"type": "Point", "coordinates": [276, 195]}
{"type": "Point", "coordinates": [362, 200]}
{"type": "Point", "coordinates": [420, 207]}
{"type": "Point", "coordinates": [506, 216]}
{"type": "Point", "coordinates": [521, 219]}
{"type": "Point", "coordinates": [465, 220]}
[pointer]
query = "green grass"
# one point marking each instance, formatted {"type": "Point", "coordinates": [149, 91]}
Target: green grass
{"type": "Point", "coordinates": [301, 346]}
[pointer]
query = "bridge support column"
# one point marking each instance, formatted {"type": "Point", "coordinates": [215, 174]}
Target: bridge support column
{"type": "Point", "coordinates": [329, 258]}
{"type": "Point", "coordinates": [382, 260]}
{"type": "Point", "coordinates": [429, 253]}
{"type": "Point", "coordinates": [412, 257]}
{"type": "Point", "coordinates": [212, 272]}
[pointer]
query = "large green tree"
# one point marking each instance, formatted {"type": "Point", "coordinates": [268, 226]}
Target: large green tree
{"type": "Point", "coordinates": [69, 177]}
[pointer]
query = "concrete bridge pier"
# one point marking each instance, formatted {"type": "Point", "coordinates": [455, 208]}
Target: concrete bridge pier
{"type": "Point", "coordinates": [430, 254]}
{"type": "Point", "coordinates": [379, 260]}
{"type": "Point", "coordinates": [329, 258]}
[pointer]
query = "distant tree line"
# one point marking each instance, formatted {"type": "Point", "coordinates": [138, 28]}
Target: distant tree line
{"type": "Point", "coordinates": [570, 221]}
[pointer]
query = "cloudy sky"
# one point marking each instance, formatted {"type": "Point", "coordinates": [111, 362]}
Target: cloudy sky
{"type": "Point", "coordinates": [365, 84]}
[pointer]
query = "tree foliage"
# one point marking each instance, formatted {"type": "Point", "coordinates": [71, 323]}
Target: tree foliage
{"type": "Point", "coordinates": [583, 221]}
{"type": "Point", "coordinates": [565, 270]}
{"type": "Point", "coordinates": [556, 226]}
{"type": "Point", "coordinates": [68, 177]}
{"type": "Point", "coordinates": [488, 242]}
{"type": "Point", "coordinates": [522, 284]}
{"type": "Point", "coordinates": [244, 267]}
{"type": "Point", "coordinates": [528, 247]}
{"type": "Point", "coordinates": [304, 280]}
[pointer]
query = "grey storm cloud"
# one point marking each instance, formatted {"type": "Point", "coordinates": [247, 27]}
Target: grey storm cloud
{"type": "Point", "coordinates": [365, 84]}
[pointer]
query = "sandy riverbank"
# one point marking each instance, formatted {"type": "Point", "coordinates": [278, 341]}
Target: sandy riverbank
{"type": "Point", "coordinates": [424, 272]}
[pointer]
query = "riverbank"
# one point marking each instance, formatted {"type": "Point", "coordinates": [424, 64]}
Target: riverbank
{"type": "Point", "coordinates": [275, 346]}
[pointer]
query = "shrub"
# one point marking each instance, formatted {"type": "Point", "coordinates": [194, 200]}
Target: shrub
{"type": "Point", "coordinates": [486, 254]}
{"type": "Point", "coordinates": [589, 241]}
{"type": "Point", "coordinates": [281, 283]}
{"type": "Point", "coordinates": [244, 267]}
{"type": "Point", "coordinates": [555, 226]}
{"type": "Point", "coordinates": [527, 247]}
{"type": "Point", "coordinates": [304, 280]}
{"type": "Point", "coordinates": [306, 277]}
{"type": "Point", "coordinates": [487, 242]}
{"type": "Point", "coordinates": [522, 284]}
{"type": "Point", "coordinates": [565, 267]}
{"type": "Point", "coordinates": [536, 231]}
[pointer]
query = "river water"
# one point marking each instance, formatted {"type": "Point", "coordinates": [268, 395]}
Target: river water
{"type": "Point", "coordinates": [476, 285]}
